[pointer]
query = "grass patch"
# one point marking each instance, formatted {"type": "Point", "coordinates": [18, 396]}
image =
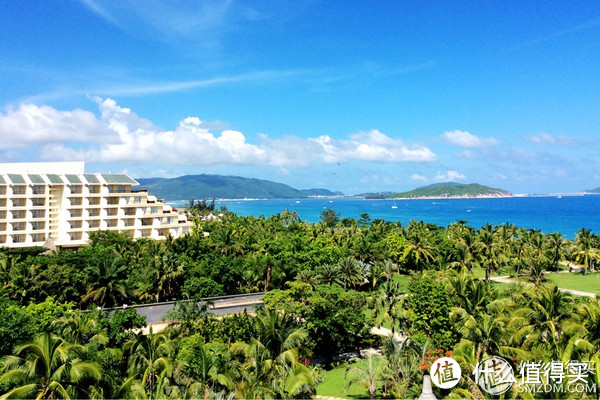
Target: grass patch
{"type": "Point", "coordinates": [577, 281]}
{"type": "Point", "coordinates": [402, 280]}
{"type": "Point", "coordinates": [334, 382]}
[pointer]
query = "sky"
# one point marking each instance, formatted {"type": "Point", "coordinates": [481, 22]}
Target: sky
{"type": "Point", "coordinates": [346, 95]}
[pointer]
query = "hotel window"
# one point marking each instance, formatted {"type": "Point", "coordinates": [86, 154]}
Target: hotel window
{"type": "Point", "coordinates": [36, 226]}
{"type": "Point", "coordinates": [153, 210]}
{"type": "Point", "coordinates": [19, 189]}
{"type": "Point", "coordinates": [18, 214]}
{"type": "Point", "coordinates": [37, 214]}
{"type": "Point", "coordinates": [18, 226]}
{"type": "Point", "coordinates": [18, 202]}
{"type": "Point", "coordinates": [38, 189]}
{"type": "Point", "coordinates": [37, 202]}
{"type": "Point", "coordinates": [138, 200]}
{"type": "Point", "coordinates": [76, 189]}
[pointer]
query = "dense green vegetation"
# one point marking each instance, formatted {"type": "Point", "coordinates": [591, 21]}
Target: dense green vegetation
{"type": "Point", "coordinates": [451, 189]}
{"type": "Point", "coordinates": [224, 187]}
{"type": "Point", "coordinates": [327, 285]}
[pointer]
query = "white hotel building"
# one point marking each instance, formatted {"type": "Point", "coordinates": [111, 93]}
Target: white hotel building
{"type": "Point", "coordinates": [58, 201]}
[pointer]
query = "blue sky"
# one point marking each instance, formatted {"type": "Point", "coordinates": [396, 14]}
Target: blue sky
{"type": "Point", "coordinates": [351, 96]}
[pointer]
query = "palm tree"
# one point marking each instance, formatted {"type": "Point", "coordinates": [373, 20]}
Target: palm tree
{"type": "Point", "coordinates": [418, 243]}
{"type": "Point", "coordinates": [329, 274]}
{"type": "Point", "coordinates": [556, 245]}
{"type": "Point", "coordinates": [370, 373]}
{"type": "Point", "coordinates": [585, 250]}
{"type": "Point", "coordinates": [107, 288]}
{"type": "Point", "coordinates": [150, 360]}
{"type": "Point", "coordinates": [278, 331]}
{"type": "Point", "coordinates": [80, 328]}
{"type": "Point", "coordinates": [48, 367]}
{"type": "Point", "coordinates": [307, 276]}
{"type": "Point", "coordinates": [352, 272]}
{"type": "Point", "coordinates": [388, 305]}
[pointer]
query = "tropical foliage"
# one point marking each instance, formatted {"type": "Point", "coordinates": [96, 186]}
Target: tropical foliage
{"type": "Point", "coordinates": [327, 285]}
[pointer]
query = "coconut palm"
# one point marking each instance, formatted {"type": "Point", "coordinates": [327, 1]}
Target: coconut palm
{"type": "Point", "coordinates": [278, 331]}
{"type": "Point", "coordinates": [80, 328]}
{"type": "Point", "coordinates": [418, 244]}
{"type": "Point", "coordinates": [387, 304]}
{"type": "Point", "coordinates": [371, 373]}
{"type": "Point", "coordinates": [48, 367]}
{"type": "Point", "coordinates": [108, 283]}
{"type": "Point", "coordinates": [149, 360]}
{"type": "Point", "coordinates": [585, 250]}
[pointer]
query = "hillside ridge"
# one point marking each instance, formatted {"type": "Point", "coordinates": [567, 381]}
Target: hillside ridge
{"type": "Point", "coordinates": [208, 186]}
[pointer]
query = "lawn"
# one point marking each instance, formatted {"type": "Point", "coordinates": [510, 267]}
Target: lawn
{"type": "Point", "coordinates": [402, 280]}
{"type": "Point", "coordinates": [577, 281]}
{"type": "Point", "coordinates": [334, 382]}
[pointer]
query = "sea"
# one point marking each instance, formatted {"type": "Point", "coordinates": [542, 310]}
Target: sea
{"type": "Point", "coordinates": [565, 214]}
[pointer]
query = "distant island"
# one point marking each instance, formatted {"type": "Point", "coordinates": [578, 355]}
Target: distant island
{"type": "Point", "coordinates": [225, 187]}
{"type": "Point", "coordinates": [592, 191]}
{"type": "Point", "coordinates": [451, 190]}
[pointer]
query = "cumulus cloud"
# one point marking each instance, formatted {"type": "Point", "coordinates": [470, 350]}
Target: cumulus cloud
{"type": "Point", "coordinates": [466, 139]}
{"type": "Point", "coordinates": [120, 135]}
{"type": "Point", "coordinates": [544, 138]}
{"type": "Point", "coordinates": [31, 125]}
{"type": "Point", "coordinates": [448, 176]}
{"type": "Point", "coordinates": [418, 178]}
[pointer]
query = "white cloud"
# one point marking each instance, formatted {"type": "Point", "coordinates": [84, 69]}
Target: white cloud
{"type": "Point", "coordinates": [544, 138]}
{"type": "Point", "coordinates": [466, 139]}
{"type": "Point", "coordinates": [467, 154]}
{"type": "Point", "coordinates": [418, 178]}
{"type": "Point", "coordinates": [120, 135]}
{"type": "Point", "coordinates": [31, 125]}
{"type": "Point", "coordinates": [448, 176]}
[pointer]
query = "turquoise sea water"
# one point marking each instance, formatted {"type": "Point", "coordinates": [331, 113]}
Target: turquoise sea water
{"type": "Point", "coordinates": [566, 214]}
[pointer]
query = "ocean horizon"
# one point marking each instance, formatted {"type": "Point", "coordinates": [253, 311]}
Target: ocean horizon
{"type": "Point", "coordinates": [565, 214]}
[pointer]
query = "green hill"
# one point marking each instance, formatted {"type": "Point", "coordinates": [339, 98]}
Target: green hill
{"type": "Point", "coordinates": [452, 190]}
{"type": "Point", "coordinates": [223, 187]}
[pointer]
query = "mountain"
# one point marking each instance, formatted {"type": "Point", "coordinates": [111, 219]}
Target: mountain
{"type": "Point", "coordinates": [224, 187]}
{"type": "Point", "coordinates": [452, 190]}
{"type": "Point", "coordinates": [597, 190]}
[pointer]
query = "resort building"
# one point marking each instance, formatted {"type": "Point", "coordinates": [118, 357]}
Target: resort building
{"type": "Point", "coordinates": [58, 201]}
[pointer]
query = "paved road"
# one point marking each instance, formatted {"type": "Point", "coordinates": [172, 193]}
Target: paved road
{"type": "Point", "coordinates": [156, 312]}
{"type": "Point", "coordinates": [508, 279]}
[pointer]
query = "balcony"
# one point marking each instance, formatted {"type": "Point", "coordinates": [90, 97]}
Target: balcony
{"type": "Point", "coordinates": [17, 203]}
{"type": "Point", "coordinates": [76, 189]}
{"type": "Point", "coordinates": [35, 214]}
{"type": "Point", "coordinates": [38, 190]}
{"type": "Point", "coordinates": [20, 190]}
{"type": "Point", "coordinates": [38, 226]}
{"type": "Point", "coordinates": [19, 214]}
{"type": "Point", "coordinates": [38, 202]}
{"type": "Point", "coordinates": [38, 237]}
{"type": "Point", "coordinates": [18, 226]}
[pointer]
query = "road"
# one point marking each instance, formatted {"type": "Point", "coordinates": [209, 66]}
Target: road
{"type": "Point", "coordinates": [156, 312]}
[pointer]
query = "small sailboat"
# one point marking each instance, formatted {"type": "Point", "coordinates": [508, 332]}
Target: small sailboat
{"type": "Point", "coordinates": [394, 205]}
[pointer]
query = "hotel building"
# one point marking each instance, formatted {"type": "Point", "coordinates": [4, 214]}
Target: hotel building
{"type": "Point", "coordinates": [58, 201]}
